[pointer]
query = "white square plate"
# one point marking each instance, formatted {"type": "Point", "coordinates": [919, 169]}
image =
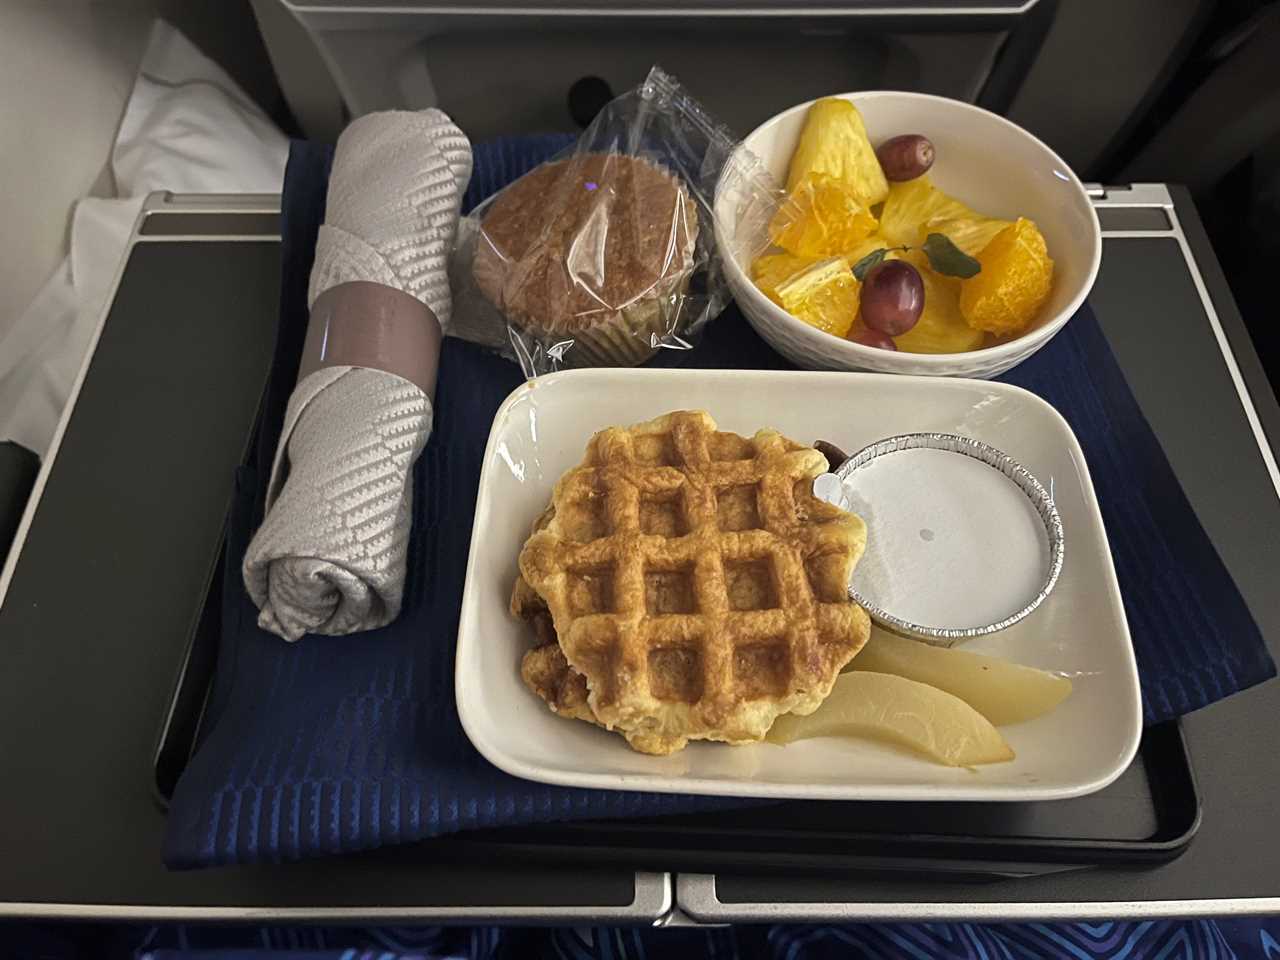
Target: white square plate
{"type": "Point", "coordinates": [1080, 630]}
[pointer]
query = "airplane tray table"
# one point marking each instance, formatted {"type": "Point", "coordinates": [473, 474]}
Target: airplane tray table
{"type": "Point", "coordinates": [102, 623]}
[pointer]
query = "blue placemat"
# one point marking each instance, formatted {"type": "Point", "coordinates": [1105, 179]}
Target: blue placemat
{"type": "Point", "coordinates": [342, 744]}
{"type": "Point", "coordinates": [1223, 939]}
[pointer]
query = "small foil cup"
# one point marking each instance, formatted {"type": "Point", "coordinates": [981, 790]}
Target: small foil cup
{"type": "Point", "coordinates": [831, 486]}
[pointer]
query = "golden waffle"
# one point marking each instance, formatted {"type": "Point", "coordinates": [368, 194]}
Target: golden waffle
{"type": "Point", "coordinates": [695, 581]}
{"type": "Point", "coordinates": [547, 673]}
{"type": "Point", "coordinates": [526, 605]}
{"type": "Point", "coordinates": [544, 669]}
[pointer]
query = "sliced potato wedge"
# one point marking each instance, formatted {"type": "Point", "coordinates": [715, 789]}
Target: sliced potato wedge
{"type": "Point", "coordinates": [883, 707]}
{"type": "Point", "coordinates": [1002, 692]}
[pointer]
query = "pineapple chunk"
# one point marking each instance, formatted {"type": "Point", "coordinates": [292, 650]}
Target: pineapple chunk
{"type": "Point", "coordinates": [969, 234]}
{"type": "Point", "coordinates": [941, 327]}
{"type": "Point", "coordinates": [912, 204]}
{"type": "Point", "coordinates": [834, 142]}
{"type": "Point", "coordinates": [932, 279]}
{"type": "Point", "coordinates": [867, 245]}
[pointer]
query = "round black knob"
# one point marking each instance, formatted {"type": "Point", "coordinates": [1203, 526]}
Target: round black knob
{"type": "Point", "coordinates": [587, 97]}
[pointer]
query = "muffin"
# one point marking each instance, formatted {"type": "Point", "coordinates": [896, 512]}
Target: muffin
{"type": "Point", "coordinates": [596, 249]}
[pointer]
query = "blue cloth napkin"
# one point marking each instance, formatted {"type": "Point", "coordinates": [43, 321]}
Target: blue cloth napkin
{"type": "Point", "coordinates": [338, 744]}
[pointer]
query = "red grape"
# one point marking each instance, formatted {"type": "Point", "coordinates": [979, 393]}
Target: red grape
{"type": "Point", "coordinates": [892, 297]}
{"type": "Point", "coordinates": [905, 157]}
{"type": "Point", "coordinates": [872, 338]}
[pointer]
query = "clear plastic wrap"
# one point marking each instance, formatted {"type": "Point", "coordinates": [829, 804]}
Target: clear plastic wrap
{"type": "Point", "coordinates": [606, 254]}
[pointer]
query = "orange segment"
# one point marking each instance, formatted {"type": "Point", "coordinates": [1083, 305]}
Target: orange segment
{"type": "Point", "coordinates": [1016, 276]}
{"type": "Point", "coordinates": [775, 268]}
{"type": "Point", "coordinates": [822, 217]}
{"type": "Point", "coordinates": [825, 296]}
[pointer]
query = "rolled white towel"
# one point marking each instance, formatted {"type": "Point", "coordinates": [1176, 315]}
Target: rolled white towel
{"type": "Point", "coordinates": [330, 554]}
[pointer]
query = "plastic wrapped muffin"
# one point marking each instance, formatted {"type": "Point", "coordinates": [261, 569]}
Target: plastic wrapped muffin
{"type": "Point", "coordinates": [596, 249]}
{"type": "Point", "coordinates": [606, 254]}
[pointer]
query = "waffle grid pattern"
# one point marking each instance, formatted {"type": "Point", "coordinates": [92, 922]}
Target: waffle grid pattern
{"type": "Point", "coordinates": [696, 582]}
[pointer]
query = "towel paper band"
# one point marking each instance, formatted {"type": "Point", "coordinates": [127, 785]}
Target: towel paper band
{"type": "Point", "coordinates": [363, 324]}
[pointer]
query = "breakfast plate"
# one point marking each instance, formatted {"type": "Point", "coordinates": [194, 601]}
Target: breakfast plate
{"type": "Point", "coordinates": [1079, 630]}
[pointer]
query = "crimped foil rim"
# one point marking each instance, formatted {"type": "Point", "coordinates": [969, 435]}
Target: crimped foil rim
{"type": "Point", "coordinates": [999, 460]}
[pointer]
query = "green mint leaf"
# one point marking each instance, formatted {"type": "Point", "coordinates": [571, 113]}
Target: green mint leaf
{"type": "Point", "coordinates": [945, 257]}
{"type": "Point", "coordinates": [872, 259]}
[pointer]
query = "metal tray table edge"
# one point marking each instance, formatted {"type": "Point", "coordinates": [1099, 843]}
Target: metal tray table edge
{"type": "Point", "coordinates": [696, 897]}
{"type": "Point", "coordinates": [653, 902]}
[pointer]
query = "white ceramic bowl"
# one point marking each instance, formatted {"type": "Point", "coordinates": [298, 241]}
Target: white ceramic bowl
{"type": "Point", "coordinates": [983, 160]}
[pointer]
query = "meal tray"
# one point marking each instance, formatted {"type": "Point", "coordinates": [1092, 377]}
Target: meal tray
{"type": "Point", "coordinates": [1150, 814]}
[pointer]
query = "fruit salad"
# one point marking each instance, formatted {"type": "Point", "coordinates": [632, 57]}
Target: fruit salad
{"type": "Point", "coordinates": [866, 247]}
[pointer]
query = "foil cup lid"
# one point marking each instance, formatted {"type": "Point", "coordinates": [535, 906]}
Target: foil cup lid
{"type": "Point", "coordinates": [961, 540]}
